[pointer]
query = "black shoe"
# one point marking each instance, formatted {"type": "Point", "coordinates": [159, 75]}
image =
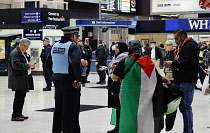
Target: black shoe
{"type": "Point", "coordinates": [198, 88]}
{"type": "Point", "coordinates": [98, 82]}
{"type": "Point", "coordinates": [17, 119]}
{"type": "Point", "coordinates": [103, 82]}
{"type": "Point", "coordinates": [87, 81]}
{"type": "Point", "coordinates": [25, 117]}
{"type": "Point", "coordinates": [83, 85]}
{"type": "Point", "coordinates": [115, 130]}
{"type": "Point", "coordinates": [47, 89]}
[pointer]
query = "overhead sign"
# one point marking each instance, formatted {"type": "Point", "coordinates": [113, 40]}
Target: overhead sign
{"type": "Point", "coordinates": [32, 34]}
{"type": "Point", "coordinates": [56, 16]}
{"type": "Point", "coordinates": [105, 23]}
{"type": "Point", "coordinates": [187, 24]}
{"type": "Point", "coordinates": [133, 24]}
{"type": "Point", "coordinates": [31, 16]}
{"type": "Point", "coordinates": [159, 7]}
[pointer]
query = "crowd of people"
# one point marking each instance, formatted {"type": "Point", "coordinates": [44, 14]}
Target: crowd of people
{"type": "Point", "coordinates": [136, 88]}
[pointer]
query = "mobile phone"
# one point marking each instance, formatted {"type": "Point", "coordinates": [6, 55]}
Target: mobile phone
{"type": "Point", "coordinates": [35, 63]}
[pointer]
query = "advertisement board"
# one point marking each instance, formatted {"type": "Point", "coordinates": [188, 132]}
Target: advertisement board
{"type": "Point", "coordinates": [2, 49]}
{"type": "Point", "coordinates": [158, 7]}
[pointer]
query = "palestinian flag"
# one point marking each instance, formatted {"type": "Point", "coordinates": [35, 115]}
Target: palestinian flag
{"type": "Point", "coordinates": [137, 92]}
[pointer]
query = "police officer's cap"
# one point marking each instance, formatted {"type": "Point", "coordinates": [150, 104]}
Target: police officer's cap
{"type": "Point", "coordinates": [153, 42]}
{"type": "Point", "coordinates": [100, 41]}
{"type": "Point", "coordinates": [18, 37]}
{"type": "Point", "coordinates": [79, 40]}
{"type": "Point", "coordinates": [46, 39]}
{"type": "Point", "coordinates": [203, 44]}
{"type": "Point", "coordinates": [70, 30]}
{"type": "Point", "coordinates": [135, 46]}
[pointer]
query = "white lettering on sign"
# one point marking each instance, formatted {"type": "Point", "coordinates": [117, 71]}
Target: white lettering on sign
{"type": "Point", "coordinates": [56, 19]}
{"type": "Point", "coordinates": [199, 24]}
{"type": "Point", "coordinates": [53, 14]}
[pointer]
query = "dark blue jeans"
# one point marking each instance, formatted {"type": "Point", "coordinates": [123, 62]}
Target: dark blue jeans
{"type": "Point", "coordinates": [185, 106]}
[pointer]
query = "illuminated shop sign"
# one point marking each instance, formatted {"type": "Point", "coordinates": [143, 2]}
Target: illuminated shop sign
{"type": "Point", "coordinates": [187, 24]}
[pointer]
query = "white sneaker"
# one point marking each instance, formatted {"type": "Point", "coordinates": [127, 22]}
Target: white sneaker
{"type": "Point", "coordinates": [208, 126]}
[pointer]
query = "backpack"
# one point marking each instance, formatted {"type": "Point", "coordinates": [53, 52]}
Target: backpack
{"type": "Point", "coordinates": [206, 59]}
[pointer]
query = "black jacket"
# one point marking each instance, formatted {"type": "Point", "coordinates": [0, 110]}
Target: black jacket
{"type": "Point", "coordinates": [45, 51]}
{"type": "Point", "coordinates": [88, 51]}
{"type": "Point", "coordinates": [101, 55]}
{"type": "Point", "coordinates": [185, 70]}
{"type": "Point", "coordinates": [74, 67]}
{"type": "Point", "coordinates": [17, 71]}
{"type": "Point", "coordinates": [158, 54]}
{"type": "Point", "coordinates": [169, 55]}
{"type": "Point", "coordinates": [147, 50]}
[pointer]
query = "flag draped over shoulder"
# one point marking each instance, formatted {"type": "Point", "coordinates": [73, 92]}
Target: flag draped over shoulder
{"type": "Point", "coordinates": [137, 92]}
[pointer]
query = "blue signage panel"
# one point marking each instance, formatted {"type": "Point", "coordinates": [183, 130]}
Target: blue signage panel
{"type": "Point", "coordinates": [32, 34]}
{"type": "Point", "coordinates": [187, 24]}
{"type": "Point", "coordinates": [133, 24]}
{"type": "Point", "coordinates": [31, 16]}
{"type": "Point", "coordinates": [106, 23]}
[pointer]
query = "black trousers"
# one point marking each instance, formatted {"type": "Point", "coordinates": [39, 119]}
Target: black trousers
{"type": "Point", "coordinates": [18, 103]}
{"type": "Point", "coordinates": [66, 114]}
{"type": "Point", "coordinates": [101, 74]}
{"type": "Point", "coordinates": [47, 77]}
{"type": "Point", "coordinates": [202, 75]}
{"type": "Point", "coordinates": [88, 68]}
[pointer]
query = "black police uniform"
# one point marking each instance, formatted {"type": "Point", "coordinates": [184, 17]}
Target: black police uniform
{"type": "Point", "coordinates": [101, 59]}
{"type": "Point", "coordinates": [67, 97]}
{"type": "Point", "coordinates": [88, 50]}
{"type": "Point", "coordinates": [45, 51]}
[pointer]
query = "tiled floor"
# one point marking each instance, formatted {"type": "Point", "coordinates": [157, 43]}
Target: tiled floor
{"type": "Point", "coordinates": [91, 121]}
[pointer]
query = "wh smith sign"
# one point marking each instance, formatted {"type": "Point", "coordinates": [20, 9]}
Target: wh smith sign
{"type": "Point", "coordinates": [188, 24]}
{"type": "Point", "coordinates": [105, 23]}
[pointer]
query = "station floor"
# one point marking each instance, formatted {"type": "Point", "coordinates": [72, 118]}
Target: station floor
{"type": "Point", "coordinates": [94, 117]}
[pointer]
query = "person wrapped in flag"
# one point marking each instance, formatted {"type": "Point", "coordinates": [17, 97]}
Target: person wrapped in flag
{"type": "Point", "coordinates": [142, 105]}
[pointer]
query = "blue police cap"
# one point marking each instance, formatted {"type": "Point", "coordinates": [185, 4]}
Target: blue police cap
{"type": "Point", "coordinates": [18, 37]}
{"type": "Point", "coordinates": [46, 39]}
{"type": "Point", "coordinates": [70, 30]}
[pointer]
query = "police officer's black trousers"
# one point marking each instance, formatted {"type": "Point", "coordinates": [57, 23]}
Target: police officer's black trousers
{"type": "Point", "coordinates": [202, 75]}
{"type": "Point", "coordinates": [66, 107]}
{"type": "Point", "coordinates": [102, 74]}
{"type": "Point", "coordinates": [18, 103]}
{"type": "Point", "coordinates": [88, 68]}
{"type": "Point", "coordinates": [47, 77]}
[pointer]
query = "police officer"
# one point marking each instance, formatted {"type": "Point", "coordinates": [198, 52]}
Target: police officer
{"type": "Point", "coordinates": [101, 61]}
{"type": "Point", "coordinates": [63, 63]}
{"type": "Point", "coordinates": [88, 50]}
{"type": "Point", "coordinates": [45, 51]}
{"type": "Point", "coordinates": [17, 40]}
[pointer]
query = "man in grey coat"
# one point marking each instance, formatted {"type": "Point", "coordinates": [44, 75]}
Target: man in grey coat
{"type": "Point", "coordinates": [18, 70]}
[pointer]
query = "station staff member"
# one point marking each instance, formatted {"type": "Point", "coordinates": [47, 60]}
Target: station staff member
{"type": "Point", "coordinates": [64, 64]}
{"type": "Point", "coordinates": [45, 51]}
